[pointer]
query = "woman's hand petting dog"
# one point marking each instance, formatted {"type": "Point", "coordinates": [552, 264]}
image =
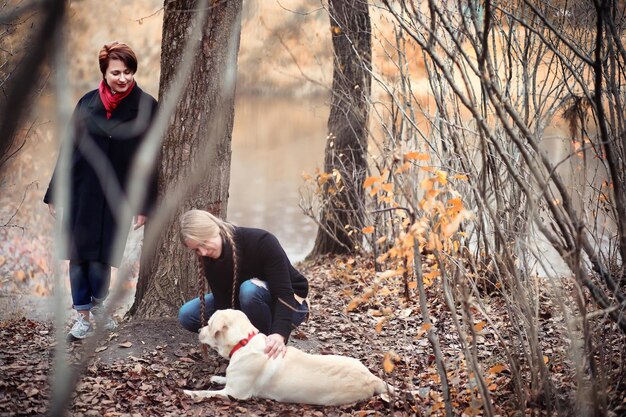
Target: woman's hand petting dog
{"type": "Point", "coordinates": [275, 346]}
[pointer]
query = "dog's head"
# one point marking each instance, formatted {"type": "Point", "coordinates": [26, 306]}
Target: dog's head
{"type": "Point", "coordinates": [225, 329]}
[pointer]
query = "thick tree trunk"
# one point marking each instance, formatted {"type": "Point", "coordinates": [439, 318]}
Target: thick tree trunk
{"type": "Point", "coordinates": [346, 146]}
{"type": "Point", "coordinates": [196, 149]}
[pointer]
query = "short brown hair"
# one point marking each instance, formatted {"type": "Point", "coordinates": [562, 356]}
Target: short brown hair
{"type": "Point", "coordinates": [117, 50]}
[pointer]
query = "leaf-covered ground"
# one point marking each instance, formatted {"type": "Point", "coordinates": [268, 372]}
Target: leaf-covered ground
{"type": "Point", "coordinates": [142, 367]}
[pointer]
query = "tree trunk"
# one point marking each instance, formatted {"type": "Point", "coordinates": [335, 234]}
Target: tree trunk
{"type": "Point", "coordinates": [346, 146]}
{"type": "Point", "coordinates": [196, 149]}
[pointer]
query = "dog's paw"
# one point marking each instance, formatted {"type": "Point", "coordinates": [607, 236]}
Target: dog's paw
{"type": "Point", "coordinates": [216, 379]}
{"type": "Point", "coordinates": [192, 394]}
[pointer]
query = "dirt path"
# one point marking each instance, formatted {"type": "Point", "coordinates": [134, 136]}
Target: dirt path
{"type": "Point", "coordinates": [25, 305]}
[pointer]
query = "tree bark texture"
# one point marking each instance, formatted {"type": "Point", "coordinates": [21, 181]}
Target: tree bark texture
{"type": "Point", "coordinates": [346, 146]}
{"type": "Point", "coordinates": [196, 150]}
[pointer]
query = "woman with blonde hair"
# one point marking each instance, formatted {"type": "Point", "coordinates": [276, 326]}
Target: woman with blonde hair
{"type": "Point", "coordinates": [246, 269]}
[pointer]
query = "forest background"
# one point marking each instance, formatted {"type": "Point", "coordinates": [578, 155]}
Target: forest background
{"type": "Point", "coordinates": [266, 148]}
{"type": "Point", "coordinates": [492, 197]}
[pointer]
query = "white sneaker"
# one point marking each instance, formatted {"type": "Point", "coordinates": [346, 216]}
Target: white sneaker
{"type": "Point", "coordinates": [100, 315]}
{"type": "Point", "coordinates": [80, 330]}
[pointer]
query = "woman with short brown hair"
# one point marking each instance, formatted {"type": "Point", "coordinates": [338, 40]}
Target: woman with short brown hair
{"type": "Point", "coordinates": [108, 126]}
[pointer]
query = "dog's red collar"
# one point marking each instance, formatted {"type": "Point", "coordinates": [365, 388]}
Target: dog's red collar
{"type": "Point", "coordinates": [242, 343]}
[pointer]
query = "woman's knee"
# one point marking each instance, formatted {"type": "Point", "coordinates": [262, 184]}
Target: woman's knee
{"type": "Point", "coordinates": [76, 272]}
{"type": "Point", "coordinates": [251, 293]}
{"type": "Point", "coordinates": [187, 315]}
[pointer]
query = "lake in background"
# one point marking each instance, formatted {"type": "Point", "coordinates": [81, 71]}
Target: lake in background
{"type": "Point", "coordinates": [275, 140]}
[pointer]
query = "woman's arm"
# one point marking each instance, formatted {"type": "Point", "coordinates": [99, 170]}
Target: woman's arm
{"type": "Point", "coordinates": [74, 158]}
{"type": "Point", "coordinates": [276, 271]}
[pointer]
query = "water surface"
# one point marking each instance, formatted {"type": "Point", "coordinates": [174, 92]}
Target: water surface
{"type": "Point", "coordinates": [275, 140]}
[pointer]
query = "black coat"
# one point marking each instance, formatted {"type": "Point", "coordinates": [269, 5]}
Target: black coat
{"type": "Point", "coordinates": [91, 223]}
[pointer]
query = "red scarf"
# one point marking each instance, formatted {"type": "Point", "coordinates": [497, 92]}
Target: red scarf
{"type": "Point", "coordinates": [110, 100]}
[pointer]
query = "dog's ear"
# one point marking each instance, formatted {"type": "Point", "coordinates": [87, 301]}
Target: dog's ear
{"type": "Point", "coordinates": [219, 329]}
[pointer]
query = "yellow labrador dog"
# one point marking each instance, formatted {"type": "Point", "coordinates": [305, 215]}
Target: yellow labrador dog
{"type": "Point", "coordinates": [297, 377]}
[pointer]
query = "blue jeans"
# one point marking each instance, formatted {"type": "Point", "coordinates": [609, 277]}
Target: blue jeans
{"type": "Point", "coordinates": [254, 301]}
{"type": "Point", "coordinates": [89, 281]}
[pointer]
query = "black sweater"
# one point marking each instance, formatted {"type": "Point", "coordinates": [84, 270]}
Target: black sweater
{"type": "Point", "coordinates": [259, 256]}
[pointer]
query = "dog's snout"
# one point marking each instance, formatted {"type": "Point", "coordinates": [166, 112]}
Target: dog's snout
{"type": "Point", "coordinates": [204, 335]}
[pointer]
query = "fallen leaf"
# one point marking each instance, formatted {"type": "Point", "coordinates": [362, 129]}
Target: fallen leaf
{"type": "Point", "coordinates": [423, 329]}
{"type": "Point", "coordinates": [478, 327]}
{"type": "Point", "coordinates": [496, 369]}
{"type": "Point", "coordinates": [354, 304]}
{"type": "Point", "coordinates": [388, 364]}
{"type": "Point", "coordinates": [388, 274]}
{"type": "Point", "coordinates": [389, 361]}
{"type": "Point", "coordinates": [380, 324]}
